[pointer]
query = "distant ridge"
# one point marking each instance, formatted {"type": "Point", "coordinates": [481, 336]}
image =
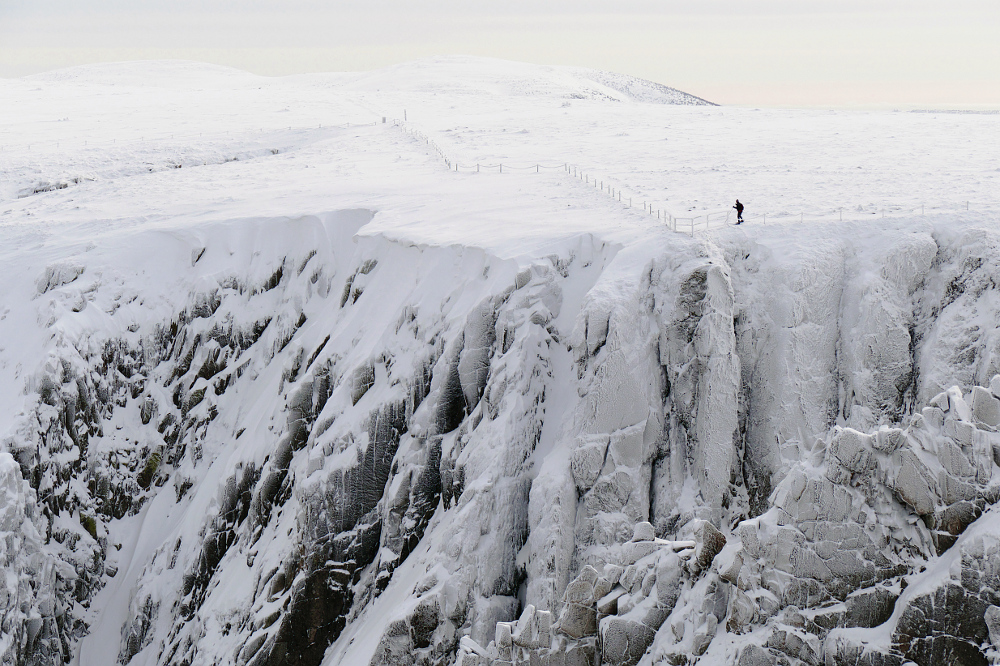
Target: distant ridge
{"type": "Point", "coordinates": [453, 75]}
{"type": "Point", "coordinates": [458, 74]}
{"type": "Point", "coordinates": [976, 112]}
{"type": "Point", "coordinates": [644, 90]}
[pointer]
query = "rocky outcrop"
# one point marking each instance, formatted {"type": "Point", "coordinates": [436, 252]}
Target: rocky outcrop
{"type": "Point", "coordinates": [609, 616]}
{"type": "Point", "coordinates": [29, 596]}
{"type": "Point", "coordinates": [950, 621]}
{"type": "Point", "coordinates": [606, 456]}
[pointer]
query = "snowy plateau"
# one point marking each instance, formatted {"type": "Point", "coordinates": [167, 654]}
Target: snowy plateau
{"type": "Point", "coordinates": [293, 373]}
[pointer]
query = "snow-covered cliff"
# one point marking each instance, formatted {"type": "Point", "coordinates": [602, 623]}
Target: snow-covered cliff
{"type": "Point", "coordinates": [484, 421]}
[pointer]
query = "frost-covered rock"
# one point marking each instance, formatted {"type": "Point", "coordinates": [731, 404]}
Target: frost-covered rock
{"type": "Point", "coordinates": [755, 655]}
{"type": "Point", "coordinates": [945, 617]}
{"type": "Point", "coordinates": [985, 407]}
{"type": "Point", "coordinates": [30, 622]}
{"type": "Point", "coordinates": [672, 451]}
{"type": "Point", "coordinates": [992, 618]}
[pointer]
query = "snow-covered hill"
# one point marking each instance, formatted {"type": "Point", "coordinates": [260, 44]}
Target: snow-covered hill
{"type": "Point", "coordinates": [278, 387]}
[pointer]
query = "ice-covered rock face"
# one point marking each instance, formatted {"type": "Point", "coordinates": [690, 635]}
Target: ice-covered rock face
{"type": "Point", "coordinates": [27, 591]}
{"type": "Point", "coordinates": [316, 446]}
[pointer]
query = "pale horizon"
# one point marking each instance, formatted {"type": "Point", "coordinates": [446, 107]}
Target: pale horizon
{"type": "Point", "coordinates": [813, 53]}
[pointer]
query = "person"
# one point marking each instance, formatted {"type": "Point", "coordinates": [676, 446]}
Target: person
{"type": "Point", "coordinates": [739, 212]}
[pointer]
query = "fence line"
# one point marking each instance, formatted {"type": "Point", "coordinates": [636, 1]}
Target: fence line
{"type": "Point", "coordinates": [682, 224]}
{"type": "Point", "coordinates": [679, 223]}
{"type": "Point", "coordinates": [571, 169]}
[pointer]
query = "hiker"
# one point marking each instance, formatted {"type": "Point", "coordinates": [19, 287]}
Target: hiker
{"type": "Point", "coordinates": [739, 212]}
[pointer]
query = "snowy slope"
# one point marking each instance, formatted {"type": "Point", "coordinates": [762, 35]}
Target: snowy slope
{"type": "Point", "coordinates": [278, 387]}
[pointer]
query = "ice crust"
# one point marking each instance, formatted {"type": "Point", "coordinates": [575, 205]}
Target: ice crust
{"type": "Point", "coordinates": [388, 431]}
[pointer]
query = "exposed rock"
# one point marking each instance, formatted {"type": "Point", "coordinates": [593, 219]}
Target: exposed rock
{"type": "Point", "coordinates": [633, 551]}
{"type": "Point", "coordinates": [841, 648]}
{"type": "Point", "coordinates": [623, 641]}
{"type": "Point", "coordinates": [742, 612]}
{"type": "Point", "coordinates": [730, 564]}
{"type": "Point", "coordinates": [796, 644]}
{"type": "Point", "coordinates": [643, 532]}
{"type": "Point", "coordinates": [985, 407]}
{"type": "Point", "coordinates": [587, 461]}
{"type": "Point", "coordinates": [947, 624]}
{"type": "Point", "coordinates": [710, 543]}
{"type": "Point", "coordinates": [578, 617]}
{"type": "Point", "coordinates": [870, 607]}
{"type": "Point", "coordinates": [912, 483]}
{"type": "Point", "coordinates": [852, 449]}
{"type": "Point", "coordinates": [56, 275]}
{"type": "Point", "coordinates": [668, 581]}
{"type": "Point", "coordinates": [887, 440]}
{"type": "Point", "coordinates": [755, 655]}
{"type": "Point", "coordinates": [602, 587]}
{"type": "Point", "coordinates": [608, 604]}
{"type": "Point", "coordinates": [992, 619]}
{"type": "Point", "coordinates": [613, 572]}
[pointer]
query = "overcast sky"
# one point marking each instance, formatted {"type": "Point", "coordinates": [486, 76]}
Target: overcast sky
{"type": "Point", "coordinates": [777, 52]}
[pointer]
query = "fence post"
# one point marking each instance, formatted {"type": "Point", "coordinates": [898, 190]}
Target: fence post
{"type": "Point", "coordinates": [765, 218]}
{"type": "Point", "coordinates": [536, 168]}
{"type": "Point", "coordinates": [501, 167]}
